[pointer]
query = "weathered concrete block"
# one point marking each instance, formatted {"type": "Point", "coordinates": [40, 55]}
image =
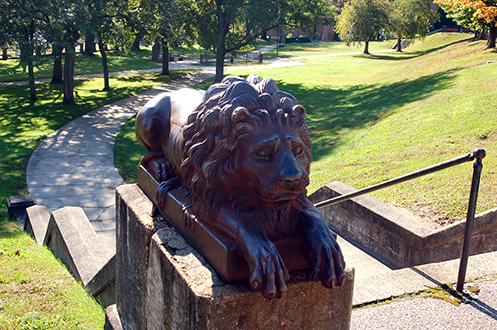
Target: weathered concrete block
{"type": "Point", "coordinates": [135, 227]}
{"type": "Point", "coordinates": [103, 285]}
{"type": "Point", "coordinates": [396, 239]}
{"type": "Point", "coordinates": [17, 205]}
{"type": "Point", "coordinates": [163, 283]}
{"type": "Point", "coordinates": [37, 218]}
{"type": "Point", "coordinates": [71, 236]}
{"type": "Point", "coordinates": [184, 292]}
{"type": "Point", "coordinates": [112, 319]}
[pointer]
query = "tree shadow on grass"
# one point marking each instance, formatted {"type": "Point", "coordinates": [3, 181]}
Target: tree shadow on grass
{"type": "Point", "coordinates": [413, 54]}
{"type": "Point", "coordinates": [331, 110]}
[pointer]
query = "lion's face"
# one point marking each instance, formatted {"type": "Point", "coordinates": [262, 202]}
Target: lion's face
{"type": "Point", "coordinates": [275, 163]}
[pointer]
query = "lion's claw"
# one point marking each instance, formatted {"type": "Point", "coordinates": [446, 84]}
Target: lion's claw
{"type": "Point", "coordinates": [326, 264]}
{"type": "Point", "coordinates": [268, 272]}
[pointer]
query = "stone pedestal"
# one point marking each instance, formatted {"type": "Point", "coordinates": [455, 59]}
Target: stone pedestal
{"type": "Point", "coordinates": [184, 292]}
{"type": "Point", "coordinates": [164, 283]}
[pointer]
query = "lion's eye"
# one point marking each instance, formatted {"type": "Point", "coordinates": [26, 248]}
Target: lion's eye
{"type": "Point", "coordinates": [297, 151]}
{"type": "Point", "coordinates": [263, 153]}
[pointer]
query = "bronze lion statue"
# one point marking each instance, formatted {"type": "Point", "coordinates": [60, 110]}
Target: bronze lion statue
{"type": "Point", "coordinates": [243, 153]}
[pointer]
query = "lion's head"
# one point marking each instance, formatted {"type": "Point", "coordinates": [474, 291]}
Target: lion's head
{"type": "Point", "coordinates": [246, 135]}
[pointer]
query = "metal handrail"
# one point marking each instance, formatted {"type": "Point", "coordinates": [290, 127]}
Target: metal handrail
{"type": "Point", "coordinates": [456, 161]}
{"type": "Point", "coordinates": [478, 154]}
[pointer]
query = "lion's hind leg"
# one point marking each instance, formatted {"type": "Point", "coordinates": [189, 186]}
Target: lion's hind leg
{"type": "Point", "coordinates": [167, 180]}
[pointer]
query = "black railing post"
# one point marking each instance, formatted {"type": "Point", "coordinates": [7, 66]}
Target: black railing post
{"type": "Point", "coordinates": [479, 154]}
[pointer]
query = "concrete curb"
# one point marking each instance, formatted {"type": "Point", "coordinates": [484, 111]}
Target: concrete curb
{"type": "Point", "coordinates": [37, 218]}
{"type": "Point", "coordinates": [72, 238]}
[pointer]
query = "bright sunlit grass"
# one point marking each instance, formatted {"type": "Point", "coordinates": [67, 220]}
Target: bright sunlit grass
{"type": "Point", "coordinates": [372, 118]}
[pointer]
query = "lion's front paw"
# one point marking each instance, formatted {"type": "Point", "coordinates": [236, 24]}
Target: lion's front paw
{"type": "Point", "coordinates": [326, 261]}
{"type": "Point", "coordinates": [268, 272]}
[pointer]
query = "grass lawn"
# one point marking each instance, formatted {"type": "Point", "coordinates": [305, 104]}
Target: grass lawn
{"type": "Point", "coordinates": [15, 70]}
{"type": "Point", "coordinates": [37, 291]}
{"type": "Point", "coordinates": [373, 118]}
{"type": "Point", "coordinates": [320, 48]}
{"type": "Point", "coordinates": [23, 125]}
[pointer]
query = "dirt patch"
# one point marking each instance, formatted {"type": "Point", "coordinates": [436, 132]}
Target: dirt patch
{"type": "Point", "coordinates": [426, 217]}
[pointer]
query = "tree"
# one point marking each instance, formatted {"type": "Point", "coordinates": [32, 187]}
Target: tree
{"type": "Point", "coordinates": [224, 26]}
{"type": "Point", "coordinates": [410, 19]}
{"type": "Point", "coordinates": [361, 21]}
{"type": "Point", "coordinates": [138, 20]}
{"type": "Point", "coordinates": [71, 35]}
{"type": "Point", "coordinates": [24, 18]}
{"type": "Point", "coordinates": [6, 29]}
{"type": "Point", "coordinates": [101, 21]}
{"type": "Point", "coordinates": [476, 14]}
{"type": "Point", "coordinates": [53, 30]}
{"type": "Point", "coordinates": [168, 18]}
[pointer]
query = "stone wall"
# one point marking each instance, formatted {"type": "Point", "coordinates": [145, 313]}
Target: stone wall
{"type": "Point", "coordinates": [396, 239]}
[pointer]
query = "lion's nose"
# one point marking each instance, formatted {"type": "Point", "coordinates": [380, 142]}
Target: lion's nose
{"type": "Point", "coordinates": [291, 172]}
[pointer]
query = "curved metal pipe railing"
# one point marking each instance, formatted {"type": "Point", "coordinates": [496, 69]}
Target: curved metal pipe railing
{"type": "Point", "coordinates": [478, 154]}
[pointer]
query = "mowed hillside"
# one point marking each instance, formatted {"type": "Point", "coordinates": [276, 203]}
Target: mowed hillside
{"type": "Point", "coordinates": [372, 118]}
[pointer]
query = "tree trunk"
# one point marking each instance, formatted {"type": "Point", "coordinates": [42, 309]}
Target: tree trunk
{"type": "Point", "coordinates": [165, 57]}
{"type": "Point", "coordinates": [136, 43]}
{"type": "Point", "coordinates": [481, 35]}
{"type": "Point", "coordinates": [399, 44]}
{"type": "Point", "coordinates": [4, 53]}
{"type": "Point", "coordinates": [155, 51]}
{"type": "Point", "coordinates": [366, 48]}
{"type": "Point", "coordinates": [57, 66]}
{"type": "Point", "coordinates": [492, 34]}
{"type": "Point", "coordinates": [69, 76]}
{"type": "Point", "coordinates": [222, 29]}
{"type": "Point", "coordinates": [32, 86]}
{"type": "Point", "coordinates": [23, 53]}
{"type": "Point", "coordinates": [31, 74]}
{"type": "Point", "coordinates": [89, 44]}
{"type": "Point", "coordinates": [220, 58]}
{"type": "Point", "coordinates": [102, 47]}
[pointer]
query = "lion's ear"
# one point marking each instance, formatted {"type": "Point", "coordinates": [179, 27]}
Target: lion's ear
{"type": "Point", "coordinates": [239, 114]}
{"type": "Point", "coordinates": [298, 111]}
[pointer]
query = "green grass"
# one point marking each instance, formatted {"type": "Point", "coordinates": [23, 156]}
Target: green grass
{"type": "Point", "coordinates": [15, 69]}
{"type": "Point", "coordinates": [128, 152]}
{"type": "Point", "coordinates": [321, 48]}
{"type": "Point", "coordinates": [23, 125]}
{"type": "Point", "coordinates": [36, 291]}
{"type": "Point", "coordinates": [372, 118]}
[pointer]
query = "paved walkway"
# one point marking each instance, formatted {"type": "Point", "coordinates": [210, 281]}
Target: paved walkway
{"type": "Point", "coordinates": [478, 312]}
{"type": "Point", "coordinates": [74, 166]}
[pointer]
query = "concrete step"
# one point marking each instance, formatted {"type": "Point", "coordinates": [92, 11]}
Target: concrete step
{"type": "Point", "coordinates": [364, 264]}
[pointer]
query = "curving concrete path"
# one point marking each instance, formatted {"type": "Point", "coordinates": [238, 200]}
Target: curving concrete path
{"type": "Point", "coordinates": [74, 166]}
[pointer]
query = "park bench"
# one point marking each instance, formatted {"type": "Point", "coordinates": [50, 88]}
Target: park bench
{"type": "Point", "coordinates": [175, 57]}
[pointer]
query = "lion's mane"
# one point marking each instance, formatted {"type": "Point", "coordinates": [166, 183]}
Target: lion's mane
{"type": "Point", "coordinates": [216, 130]}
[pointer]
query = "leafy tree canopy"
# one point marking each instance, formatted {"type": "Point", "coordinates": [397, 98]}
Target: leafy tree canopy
{"type": "Point", "coordinates": [361, 21]}
{"type": "Point", "coordinates": [410, 19]}
{"type": "Point", "coordinates": [475, 14]}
